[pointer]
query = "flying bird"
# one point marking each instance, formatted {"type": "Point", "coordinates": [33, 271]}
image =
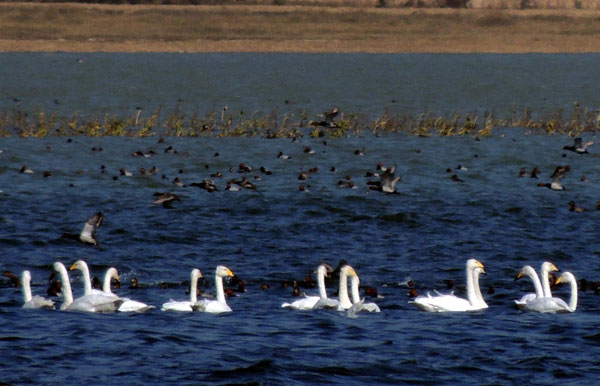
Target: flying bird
{"type": "Point", "coordinates": [88, 233]}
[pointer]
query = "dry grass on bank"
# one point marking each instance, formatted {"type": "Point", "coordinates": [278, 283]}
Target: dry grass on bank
{"type": "Point", "coordinates": [139, 28]}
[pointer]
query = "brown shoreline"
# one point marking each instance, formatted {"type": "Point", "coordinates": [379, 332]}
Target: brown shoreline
{"type": "Point", "coordinates": [41, 27]}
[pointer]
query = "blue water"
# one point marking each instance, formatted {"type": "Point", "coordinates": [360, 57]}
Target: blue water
{"type": "Point", "coordinates": [276, 233]}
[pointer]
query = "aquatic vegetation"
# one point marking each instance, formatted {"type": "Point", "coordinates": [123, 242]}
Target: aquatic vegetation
{"type": "Point", "coordinates": [226, 123]}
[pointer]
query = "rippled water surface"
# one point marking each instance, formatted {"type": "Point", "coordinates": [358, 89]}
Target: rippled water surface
{"type": "Point", "coordinates": [276, 233]}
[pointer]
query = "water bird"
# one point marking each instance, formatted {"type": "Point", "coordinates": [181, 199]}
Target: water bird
{"type": "Point", "coordinates": [208, 185]}
{"type": "Point", "coordinates": [559, 173]}
{"type": "Point", "coordinates": [542, 288]}
{"type": "Point", "coordinates": [243, 168]}
{"type": "Point", "coordinates": [553, 304]}
{"type": "Point", "coordinates": [455, 178]}
{"type": "Point", "coordinates": [220, 304]}
{"type": "Point", "coordinates": [574, 208]}
{"type": "Point", "coordinates": [308, 150]}
{"type": "Point", "coordinates": [452, 303]}
{"type": "Point", "coordinates": [265, 171]}
{"type": "Point", "coordinates": [283, 156]}
{"type": "Point", "coordinates": [358, 304]}
{"type": "Point", "coordinates": [243, 183]}
{"type": "Point", "coordinates": [133, 283]}
{"type": "Point", "coordinates": [579, 146]}
{"type": "Point", "coordinates": [166, 199]}
{"type": "Point", "coordinates": [177, 182]}
{"type": "Point", "coordinates": [26, 170]}
{"type": "Point", "coordinates": [308, 303]}
{"type": "Point", "coordinates": [387, 182]}
{"type": "Point", "coordinates": [30, 301]}
{"type": "Point", "coordinates": [88, 233]}
{"type": "Point", "coordinates": [522, 172]}
{"type": "Point", "coordinates": [535, 173]}
{"type": "Point", "coordinates": [343, 302]}
{"type": "Point", "coordinates": [128, 305]}
{"type": "Point", "coordinates": [185, 305]}
{"type": "Point", "coordinates": [126, 173]}
{"type": "Point", "coordinates": [303, 176]}
{"type": "Point", "coordinates": [170, 150]}
{"type": "Point", "coordinates": [14, 280]}
{"type": "Point", "coordinates": [85, 303]}
{"type": "Point", "coordinates": [328, 119]}
{"type": "Point", "coordinates": [216, 175]}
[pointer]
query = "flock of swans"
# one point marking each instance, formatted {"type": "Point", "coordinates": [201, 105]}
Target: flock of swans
{"type": "Point", "coordinates": [105, 300]}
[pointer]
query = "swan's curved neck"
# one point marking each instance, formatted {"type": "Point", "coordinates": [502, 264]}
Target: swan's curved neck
{"type": "Point", "coordinates": [573, 300]}
{"type": "Point", "coordinates": [354, 292]}
{"type": "Point", "coordinates": [194, 290]}
{"type": "Point", "coordinates": [220, 291]}
{"type": "Point", "coordinates": [66, 288]}
{"type": "Point", "coordinates": [479, 297]}
{"type": "Point", "coordinates": [537, 285]}
{"type": "Point", "coordinates": [473, 287]}
{"type": "Point", "coordinates": [26, 288]}
{"type": "Point", "coordinates": [321, 283]}
{"type": "Point", "coordinates": [87, 281]}
{"type": "Point", "coordinates": [546, 283]}
{"type": "Point", "coordinates": [343, 291]}
{"type": "Point", "coordinates": [106, 285]}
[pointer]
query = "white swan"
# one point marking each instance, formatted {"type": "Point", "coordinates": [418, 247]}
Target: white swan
{"type": "Point", "coordinates": [87, 281]}
{"type": "Point", "coordinates": [309, 302]}
{"type": "Point", "coordinates": [547, 267]}
{"type": "Point", "coordinates": [128, 304]}
{"type": "Point", "coordinates": [185, 305]}
{"type": "Point", "coordinates": [451, 303]}
{"type": "Point", "coordinates": [86, 303]}
{"type": "Point", "coordinates": [343, 302]}
{"type": "Point", "coordinates": [219, 305]}
{"type": "Point", "coordinates": [33, 301]}
{"type": "Point", "coordinates": [542, 300]}
{"type": "Point", "coordinates": [568, 277]}
{"type": "Point", "coordinates": [358, 303]}
{"type": "Point", "coordinates": [537, 285]}
{"type": "Point", "coordinates": [553, 305]}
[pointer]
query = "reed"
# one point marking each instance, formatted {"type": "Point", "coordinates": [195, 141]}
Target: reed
{"type": "Point", "coordinates": [19, 122]}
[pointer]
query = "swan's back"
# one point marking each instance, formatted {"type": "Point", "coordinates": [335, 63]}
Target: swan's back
{"type": "Point", "coordinates": [546, 305]}
{"type": "Point", "coordinates": [183, 306]}
{"type": "Point", "coordinates": [306, 303]}
{"type": "Point", "coordinates": [211, 306]}
{"type": "Point", "coordinates": [39, 302]}
{"type": "Point", "coordinates": [96, 303]}
{"type": "Point", "coordinates": [443, 303]}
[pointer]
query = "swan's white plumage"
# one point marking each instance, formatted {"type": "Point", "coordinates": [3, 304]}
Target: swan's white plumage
{"type": "Point", "coordinates": [308, 303]}
{"type": "Point", "coordinates": [33, 301]}
{"type": "Point", "coordinates": [552, 304]}
{"type": "Point", "coordinates": [358, 304]}
{"type": "Point", "coordinates": [343, 302]}
{"type": "Point", "coordinates": [85, 303]}
{"type": "Point", "coordinates": [542, 300]}
{"type": "Point", "coordinates": [128, 305]}
{"type": "Point", "coordinates": [529, 271]}
{"type": "Point", "coordinates": [547, 267]}
{"type": "Point", "coordinates": [220, 305]}
{"type": "Point", "coordinates": [451, 303]}
{"type": "Point", "coordinates": [185, 305]}
{"type": "Point", "coordinates": [87, 281]}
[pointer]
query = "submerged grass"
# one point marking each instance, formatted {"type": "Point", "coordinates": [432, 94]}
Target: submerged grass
{"type": "Point", "coordinates": [222, 124]}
